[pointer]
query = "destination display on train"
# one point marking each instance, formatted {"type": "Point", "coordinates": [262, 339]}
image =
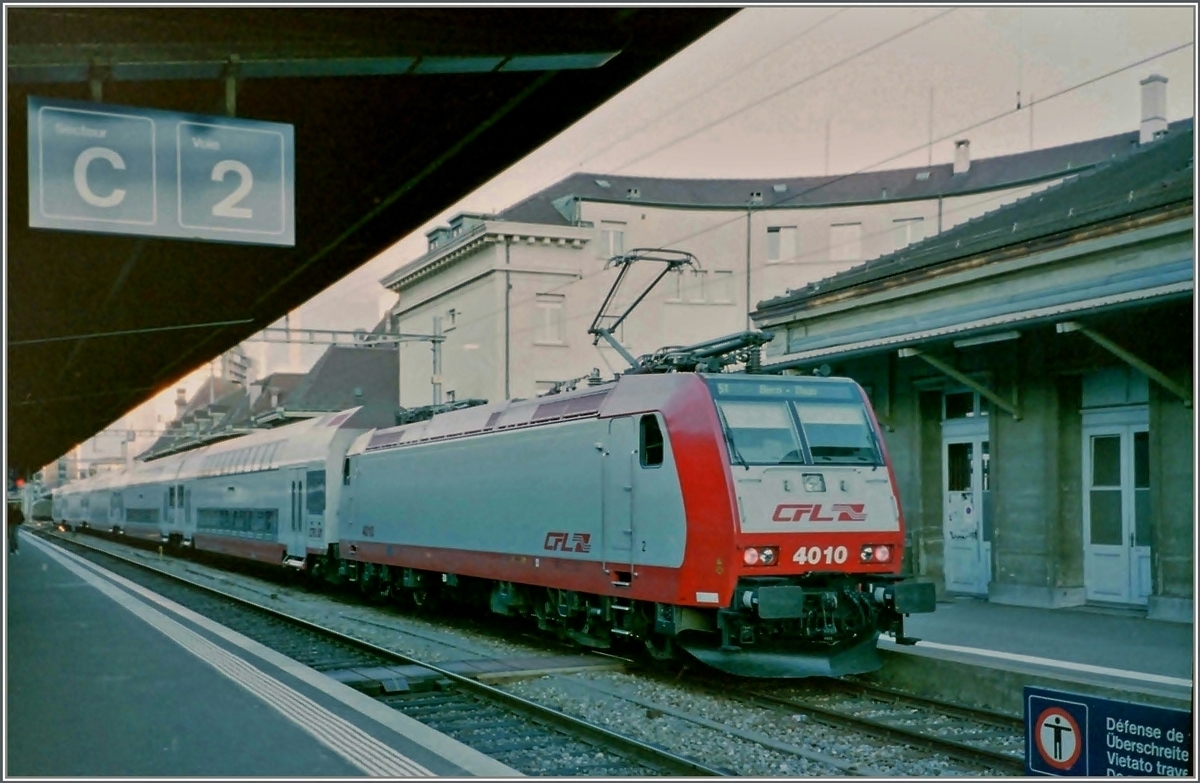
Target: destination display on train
{"type": "Point", "coordinates": [126, 170]}
{"type": "Point", "coordinates": [803, 389]}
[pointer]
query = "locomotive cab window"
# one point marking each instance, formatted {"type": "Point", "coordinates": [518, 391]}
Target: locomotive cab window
{"type": "Point", "coordinates": [761, 433]}
{"type": "Point", "coordinates": [651, 442]}
{"type": "Point", "coordinates": [838, 433]}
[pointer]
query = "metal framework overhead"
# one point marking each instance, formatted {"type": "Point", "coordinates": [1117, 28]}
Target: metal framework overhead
{"type": "Point", "coordinates": [398, 113]}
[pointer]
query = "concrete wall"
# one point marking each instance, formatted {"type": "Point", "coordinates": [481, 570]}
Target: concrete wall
{"type": "Point", "coordinates": [1037, 480]}
{"type": "Point", "coordinates": [1172, 502]}
{"type": "Point", "coordinates": [1030, 531]}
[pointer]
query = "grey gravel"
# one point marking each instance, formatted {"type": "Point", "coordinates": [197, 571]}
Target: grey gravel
{"type": "Point", "coordinates": [852, 754]}
{"type": "Point", "coordinates": [716, 733]}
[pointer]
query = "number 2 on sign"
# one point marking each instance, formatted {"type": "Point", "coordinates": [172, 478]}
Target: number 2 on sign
{"type": "Point", "coordinates": [226, 207]}
{"type": "Point", "coordinates": [814, 555]}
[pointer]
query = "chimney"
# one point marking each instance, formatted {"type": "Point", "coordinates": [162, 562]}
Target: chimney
{"type": "Point", "coordinates": [1154, 108]}
{"type": "Point", "coordinates": [180, 402]}
{"type": "Point", "coordinates": [962, 156]}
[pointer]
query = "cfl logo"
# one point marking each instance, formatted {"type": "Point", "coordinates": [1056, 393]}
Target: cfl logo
{"type": "Point", "coordinates": [568, 542]}
{"type": "Point", "coordinates": [840, 512]}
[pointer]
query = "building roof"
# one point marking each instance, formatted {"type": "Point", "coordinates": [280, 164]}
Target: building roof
{"type": "Point", "coordinates": [1157, 175]}
{"type": "Point", "coordinates": [216, 406]}
{"type": "Point", "coordinates": [343, 377]}
{"type": "Point", "coordinates": [281, 383]}
{"type": "Point", "coordinates": [789, 192]}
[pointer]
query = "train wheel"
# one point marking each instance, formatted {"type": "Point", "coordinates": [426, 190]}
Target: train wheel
{"type": "Point", "coordinates": [425, 599]}
{"type": "Point", "coordinates": [660, 647]}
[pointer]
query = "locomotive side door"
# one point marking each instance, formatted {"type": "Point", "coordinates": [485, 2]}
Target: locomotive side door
{"type": "Point", "coordinates": [616, 467]}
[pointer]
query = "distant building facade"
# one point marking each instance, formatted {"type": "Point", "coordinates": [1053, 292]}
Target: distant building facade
{"type": "Point", "coordinates": [1034, 370]}
{"type": "Point", "coordinates": [514, 293]}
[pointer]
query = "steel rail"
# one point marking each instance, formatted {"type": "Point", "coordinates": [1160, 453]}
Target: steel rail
{"type": "Point", "coordinates": [953, 748]}
{"type": "Point", "coordinates": [666, 762]}
{"type": "Point", "coordinates": [894, 696]}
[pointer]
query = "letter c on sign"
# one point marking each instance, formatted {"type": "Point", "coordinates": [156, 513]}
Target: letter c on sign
{"type": "Point", "coordinates": [81, 183]}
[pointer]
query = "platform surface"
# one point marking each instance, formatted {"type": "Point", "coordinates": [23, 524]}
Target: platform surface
{"type": "Point", "coordinates": [103, 680]}
{"type": "Point", "coordinates": [1084, 635]}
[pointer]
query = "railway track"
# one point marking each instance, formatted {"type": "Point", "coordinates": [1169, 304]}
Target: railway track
{"type": "Point", "coordinates": [986, 739]}
{"type": "Point", "coordinates": [529, 737]}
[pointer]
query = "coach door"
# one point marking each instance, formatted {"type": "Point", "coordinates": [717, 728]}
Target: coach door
{"type": "Point", "coordinates": [294, 537]}
{"type": "Point", "coordinates": [1116, 505]}
{"type": "Point", "coordinates": [617, 459]}
{"type": "Point", "coordinates": [177, 514]}
{"type": "Point", "coordinates": [966, 520]}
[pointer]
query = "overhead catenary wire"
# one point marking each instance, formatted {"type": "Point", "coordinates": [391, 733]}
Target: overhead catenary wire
{"type": "Point", "coordinates": [740, 216]}
{"type": "Point", "coordinates": [696, 95]}
{"type": "Point", "coordinates": [803, 80]}
{"type": "Point", "coordinates": [736, 274]}
{"type": "Point", "coordinates": [789, 87]}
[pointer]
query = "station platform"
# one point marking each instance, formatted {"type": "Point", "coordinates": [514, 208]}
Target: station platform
{"type": "Point", "coordinates": [105, 679]}
{"type": "Point", "coordinates": [973, 650]}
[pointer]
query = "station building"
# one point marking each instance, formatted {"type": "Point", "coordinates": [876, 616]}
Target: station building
{"type": "Point", "coordinates": [1033, 369]}
{"type": "Point", "coordinates": [515, 292]}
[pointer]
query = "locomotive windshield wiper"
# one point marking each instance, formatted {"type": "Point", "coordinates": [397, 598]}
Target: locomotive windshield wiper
{"type": "Point", "coordinates": [733, 449]}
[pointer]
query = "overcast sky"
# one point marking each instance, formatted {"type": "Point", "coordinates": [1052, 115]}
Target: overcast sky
{"type": "Point", "coordinates": [755, 97]}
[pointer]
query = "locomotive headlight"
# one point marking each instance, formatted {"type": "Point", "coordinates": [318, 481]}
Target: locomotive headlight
{"type": "Point", "coordinates": [814, 482]}
{"type": "Point", "coordinates": [875, 553]}
{"type": "Point", "coordinates": [761, 556]}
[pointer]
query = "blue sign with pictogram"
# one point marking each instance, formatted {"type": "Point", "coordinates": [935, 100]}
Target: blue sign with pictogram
{"type": "Point", "coordinates": [1071, 735]}
{"type": "Point", "coordinates": [124, 170]}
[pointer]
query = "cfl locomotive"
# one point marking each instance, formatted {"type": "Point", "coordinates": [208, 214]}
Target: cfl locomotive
{"type": "Point", "coordinates": [751, 521]}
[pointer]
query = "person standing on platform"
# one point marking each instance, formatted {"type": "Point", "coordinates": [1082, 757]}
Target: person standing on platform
{"type": "Point", "coordinates": [15, 518]}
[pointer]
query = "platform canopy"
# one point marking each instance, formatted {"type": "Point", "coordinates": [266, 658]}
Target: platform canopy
{"type": "Point", "coordinates": [397, 114]}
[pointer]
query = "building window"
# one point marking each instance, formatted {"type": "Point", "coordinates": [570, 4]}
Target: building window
{"type": "Point", "coordinates": [845, 242]}
{"type": "Point", "coordinates": [694, 286]}
{"type": "Point", "coordinates": [550, 319]}
{"type": "Point", "coordinates": [963, 405]}
{"type": "Point", "coordinates": [720, 287]}
{"type": "Point", "coordinates": [908, 231]}
{"type": "Point", "coordinates": [675, 286]}
{"type": "Point", "coordinates": [781, 244]}
{"type": "Point", "coordinates": [612, 238]}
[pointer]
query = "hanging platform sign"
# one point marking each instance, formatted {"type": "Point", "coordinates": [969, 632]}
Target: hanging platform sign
{"type": "Point", "coordinates": [125, 170]}
{"type": "Point", "coordinates": [1071, 735]}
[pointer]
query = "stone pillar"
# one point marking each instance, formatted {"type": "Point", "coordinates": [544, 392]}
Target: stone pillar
{"type": "Point", "coordinates": [1172, 472]}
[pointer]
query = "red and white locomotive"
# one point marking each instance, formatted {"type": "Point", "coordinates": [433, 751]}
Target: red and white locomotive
{"type": "Point", "coordinates": [751, 520]}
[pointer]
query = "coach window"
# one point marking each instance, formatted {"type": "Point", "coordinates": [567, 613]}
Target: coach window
{"type": "Point", "coordinates": [316, 492]}
{"type": "Point", "coordinates": [652, 442]}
